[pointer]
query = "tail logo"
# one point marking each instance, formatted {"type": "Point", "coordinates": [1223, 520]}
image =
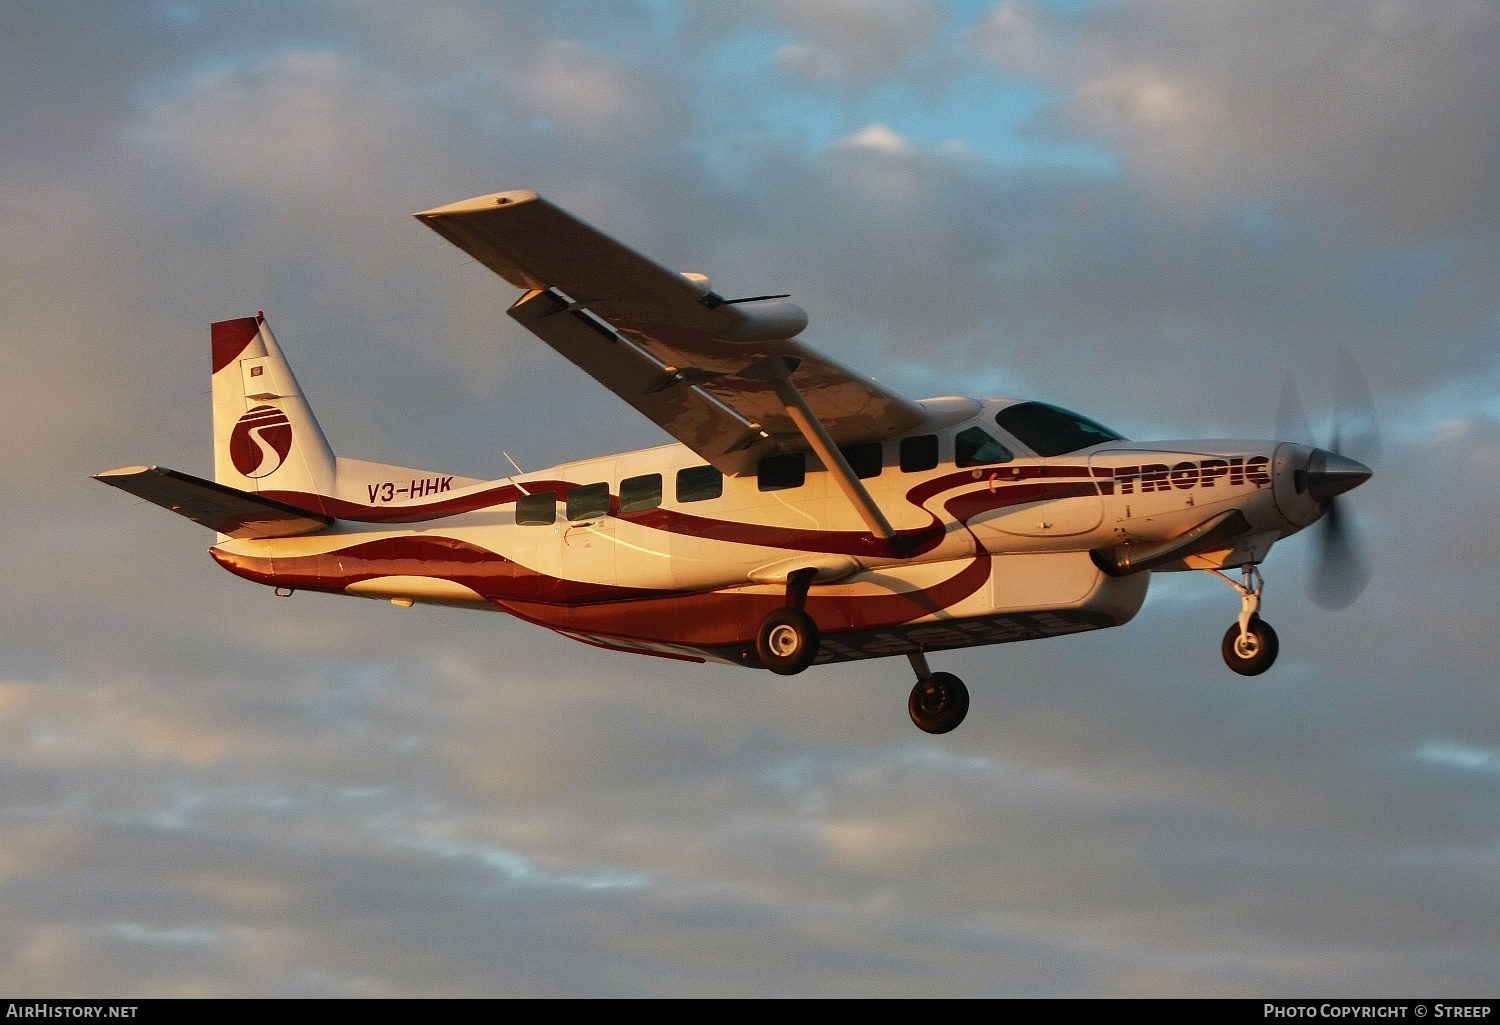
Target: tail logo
{"type": "Point", "coordinates": [260, 441]}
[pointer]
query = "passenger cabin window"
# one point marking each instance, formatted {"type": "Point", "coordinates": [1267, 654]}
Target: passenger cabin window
{"type": "Point", "coordinates": [778, 473]}
{"type": "Point", "coordinates": [637, 494]}
{"type": "Point", "coordinates": [536, 510]}
{"type": "Point", "coordinates": [973, 447]}
{"type": "Point", "coordinates": [1050, 431]}
{"type": "Point", "coordinates": [865, 460]}
{"type": "Point", "coordinates": [588, 502]}
{"type": "Point", "coordinates": [699, 484]}
{"type": "Point", "coordinates": [919, 453]}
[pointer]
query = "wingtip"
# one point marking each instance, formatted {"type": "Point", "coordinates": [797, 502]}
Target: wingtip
{"type": "Point", "coordinates": [479, 203]}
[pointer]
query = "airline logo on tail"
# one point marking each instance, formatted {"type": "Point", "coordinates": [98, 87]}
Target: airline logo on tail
{"type": "Point", "coordinates": [260, 441]}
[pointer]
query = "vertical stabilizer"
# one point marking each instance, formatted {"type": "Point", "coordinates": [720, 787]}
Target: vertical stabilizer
{"type": "Point", "coordinates": [266, 439]}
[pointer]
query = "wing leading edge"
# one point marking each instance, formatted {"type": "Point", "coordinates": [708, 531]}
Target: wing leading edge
{"type": "Point", "coordinates": [692, 362]}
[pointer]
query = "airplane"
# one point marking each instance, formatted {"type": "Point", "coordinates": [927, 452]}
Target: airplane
{"type": "Point", "coordinates": [805, 515]}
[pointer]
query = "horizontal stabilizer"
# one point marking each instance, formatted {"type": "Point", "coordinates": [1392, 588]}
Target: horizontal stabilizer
{"type": "Point", "coordinates": [216, 506]}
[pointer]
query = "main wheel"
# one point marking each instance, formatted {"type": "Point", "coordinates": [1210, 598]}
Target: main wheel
{"type": "Point", "coordinates": [787, 641]}
{"type": "Point", "coordinates": [1253, 654]}
{"type": "Point", "coordinates": [938, 706]}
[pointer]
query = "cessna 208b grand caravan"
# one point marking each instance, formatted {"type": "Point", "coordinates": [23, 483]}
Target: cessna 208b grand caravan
{"type": "Point", "coordinates": [805, 515]}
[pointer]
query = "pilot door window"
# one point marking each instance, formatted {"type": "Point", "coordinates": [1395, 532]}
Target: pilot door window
{"type": "Point", "coordinates": [973, 446]}
{"type": "Point", "coordinates": [536, 510]}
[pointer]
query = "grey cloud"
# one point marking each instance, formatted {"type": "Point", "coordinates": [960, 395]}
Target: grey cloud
{"type": "Point", "coordinates": [1383, 107]}
{"type": "Point", "coordinates": [855, 43]}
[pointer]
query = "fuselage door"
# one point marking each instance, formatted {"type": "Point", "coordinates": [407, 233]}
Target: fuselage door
{"type": "Point", "coordinates": [586, 531]}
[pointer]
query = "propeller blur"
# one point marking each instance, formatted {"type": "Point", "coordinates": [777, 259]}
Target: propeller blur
{"type": "Point", "coordinates": [1341, 568]}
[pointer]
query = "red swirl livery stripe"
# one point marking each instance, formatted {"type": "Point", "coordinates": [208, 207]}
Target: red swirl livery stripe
{"type": "Point", "coordinates": [358, 512]}
{"type": "Point", "coordinates": [909, 542]}
{"type": "Point", "coordinates": [444, 558]}
{"type": "Point", "coordinates": [639, 614]}
{"type": "Point", "coordinates": [843, 542]}
{"type": "Point", "coordinates": [999, 492]}
{"type": "Point", "coordinates": [999, 477]}
{"type": "Point", "coordinates": [966, 506]}
{"type": "Point", "coordinates": [729, 618]}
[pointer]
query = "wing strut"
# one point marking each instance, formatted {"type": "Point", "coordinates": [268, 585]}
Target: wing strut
{"type": "Point", "coordinates": [776, 369]}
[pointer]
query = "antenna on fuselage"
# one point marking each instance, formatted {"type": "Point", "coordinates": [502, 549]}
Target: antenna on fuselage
{"type": "Point", "coordinates": [518, 470]}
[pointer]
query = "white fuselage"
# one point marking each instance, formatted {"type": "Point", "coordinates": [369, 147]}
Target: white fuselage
{"type": "Point", "coordinates": [981, 552]}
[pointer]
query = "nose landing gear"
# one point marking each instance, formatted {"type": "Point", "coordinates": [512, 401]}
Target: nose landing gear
{"type": "Point", "coordinates": [1250, 645]}
{"type": "Point", "coordinates": [939, 701]}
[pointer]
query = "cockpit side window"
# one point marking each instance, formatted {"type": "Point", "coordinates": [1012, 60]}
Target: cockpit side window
{"type": "Point", "coordinates": [1050, 431]}
{"type": "Point", "coordinates": [974, 447]}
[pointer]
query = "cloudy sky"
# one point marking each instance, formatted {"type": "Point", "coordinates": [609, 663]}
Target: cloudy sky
{"type": "Point", "coordinates": [1149, 210]}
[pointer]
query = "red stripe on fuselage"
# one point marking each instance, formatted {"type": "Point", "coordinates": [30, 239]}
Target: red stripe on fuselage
{"type": "Point", "coordinates": [1000, 491]}
{"type": "Point", "coordinates": [729, 618]}
{"type": "Point", "coordinates": [642, 614]}
{"type": "Point", "coordinates": [843, 542]}
{"type": "Point", "coordinates": [443, 558]}
{"type": "Point", "coordinates": [967, 506]}
{"type": "Point", "coordinates": [358, 512]}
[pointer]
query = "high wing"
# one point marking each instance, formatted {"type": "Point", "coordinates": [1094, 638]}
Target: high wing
{"type": "Point", "coordinates": [703, 368]}
{"type": "Point", "coordinates": [216, 506]}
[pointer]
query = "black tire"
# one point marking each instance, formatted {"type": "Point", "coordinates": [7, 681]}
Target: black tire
{"type": "Point", "coordinates": [940, 706]}
{"type": "Point", "coordinates": [1261, 650]}
{"type": "Point", "coordinates": [787, 641]}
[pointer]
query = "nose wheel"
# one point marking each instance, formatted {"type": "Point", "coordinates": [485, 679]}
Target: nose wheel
{"type": "Point", "coordinates": [1250, 645]}
{"type": "Point", "coordinates": [939, 701]}
{"type": "Point", "coordinates": [1252, 651]}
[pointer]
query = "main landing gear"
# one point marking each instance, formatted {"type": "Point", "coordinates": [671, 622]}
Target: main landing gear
{"type": "Point", "coordinates": [787, 641]}
{"type": "Point", "coordinates": [939, 701]}
{"type": "Point", "coordinates": [1250, 645]}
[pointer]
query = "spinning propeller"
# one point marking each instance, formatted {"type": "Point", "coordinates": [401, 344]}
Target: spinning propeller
{"type": "Point", "coordinates": [1342, 568]}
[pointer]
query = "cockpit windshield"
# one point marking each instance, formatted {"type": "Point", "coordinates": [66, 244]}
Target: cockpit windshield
{"type": "Point", "coordinates": [1050, 431]}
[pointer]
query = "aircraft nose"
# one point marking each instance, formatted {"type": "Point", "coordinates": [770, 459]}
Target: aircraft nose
{"type": "Point", "coordinates": [1330, 474]}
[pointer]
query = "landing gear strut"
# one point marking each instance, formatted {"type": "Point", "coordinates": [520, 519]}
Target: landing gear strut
{"type": "Point", "coordinates": [1250, 645]}
{"type": "Point", "coordinates": [939, 701]}
{"type": "Point", "coordinates": [787, 641]}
